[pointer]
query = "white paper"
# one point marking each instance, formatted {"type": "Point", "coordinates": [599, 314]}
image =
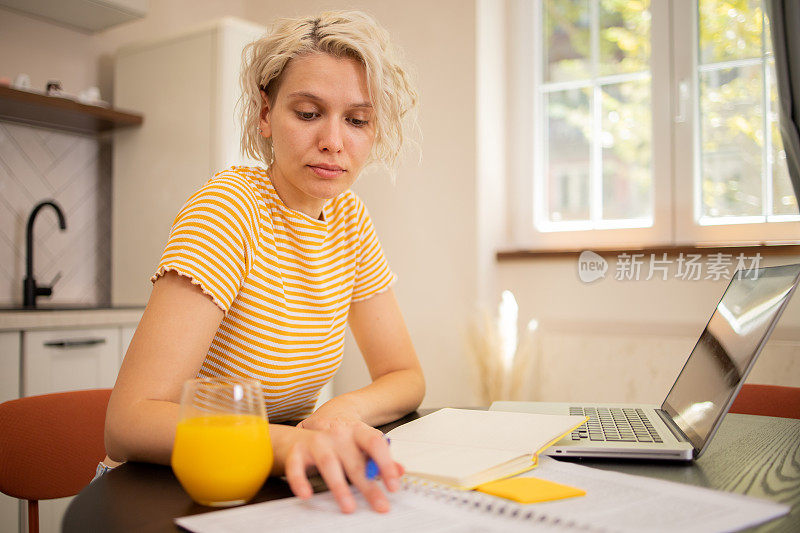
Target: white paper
{"type": "Point", "coordinates": [494, 430]}
{"type": "Point", "coordinates": [457, 463]}
{"type": "Point", "coordinates": [410, 513]}
{"type": "Point", "coordinates": [625, 502]}
{"type": "Point", "coordinates": [613, 502]}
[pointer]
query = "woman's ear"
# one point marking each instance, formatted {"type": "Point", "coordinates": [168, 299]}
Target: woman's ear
{"type": "Point", "coordinates": [264, 124]}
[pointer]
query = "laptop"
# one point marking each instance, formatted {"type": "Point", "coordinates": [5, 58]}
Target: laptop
{"type": "Point", "coordinates": [684, 424]}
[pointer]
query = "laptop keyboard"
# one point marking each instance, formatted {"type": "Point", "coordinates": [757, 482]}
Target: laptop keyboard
{"type": "Point", "coordinates": [622, 424]}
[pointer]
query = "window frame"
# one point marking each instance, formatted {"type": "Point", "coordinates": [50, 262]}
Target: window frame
{"type": "Point", "coordinates": [673, 61]}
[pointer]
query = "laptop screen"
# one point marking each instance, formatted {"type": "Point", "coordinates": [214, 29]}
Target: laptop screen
{"type": "Point", "coordinates": [727, 349]}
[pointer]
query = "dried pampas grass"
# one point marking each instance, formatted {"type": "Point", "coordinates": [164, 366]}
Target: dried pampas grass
{"type": "Point", "coordinates": [501, 357]}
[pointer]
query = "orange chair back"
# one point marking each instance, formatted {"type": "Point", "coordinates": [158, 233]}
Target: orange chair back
{"type": "Point", "coordinates": [767, 400]}
{"type": "Point", "coordinates": [50, 445]}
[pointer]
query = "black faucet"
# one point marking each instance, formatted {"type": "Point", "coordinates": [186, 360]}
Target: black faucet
{"type": "Point", "coordinates": [31, 291]}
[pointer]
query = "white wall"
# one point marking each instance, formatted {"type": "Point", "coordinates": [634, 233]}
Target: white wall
{"type": "Point", "coordinates": [626, 340]}
{"type": "Point", "coordinates": [45, 52]}
{"type": "Point", "coordinates": [432, 223]}
{"type": "Point", "coordinates": [426, 221]}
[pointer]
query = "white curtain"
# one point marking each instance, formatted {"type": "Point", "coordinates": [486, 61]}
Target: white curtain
{"type": "Point", "coordinates": [784, 19]}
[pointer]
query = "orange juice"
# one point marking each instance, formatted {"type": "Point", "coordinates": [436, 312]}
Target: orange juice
{"type": "Point", "coordinates": [223, 459]}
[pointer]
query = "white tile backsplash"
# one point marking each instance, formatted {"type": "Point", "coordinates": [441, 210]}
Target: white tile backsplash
{"type": "Point", "coordinates": [75, 171]}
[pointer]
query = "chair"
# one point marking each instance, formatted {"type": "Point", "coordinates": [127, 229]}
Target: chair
{"type": "Point", "coordinates": [768, 400]}
{"type": "Point", "coordinates": [50, 445]}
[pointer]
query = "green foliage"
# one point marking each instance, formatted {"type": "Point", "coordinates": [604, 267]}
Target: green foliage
{"type": "Point", "coordinates": [730, 29]}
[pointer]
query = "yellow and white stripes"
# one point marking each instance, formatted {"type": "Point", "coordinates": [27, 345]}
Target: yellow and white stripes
{"type": "Point", "coordinates": [284, 280]}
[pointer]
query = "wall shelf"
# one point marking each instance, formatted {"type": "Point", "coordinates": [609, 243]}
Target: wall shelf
{"type": "Point", "coordinates": [63, 114]}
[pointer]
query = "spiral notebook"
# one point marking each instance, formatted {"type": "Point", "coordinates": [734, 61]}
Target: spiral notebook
{"type": "Point", "coordinates": [613, 502]}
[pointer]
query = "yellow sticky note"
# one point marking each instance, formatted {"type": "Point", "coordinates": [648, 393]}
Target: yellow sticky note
{"type": "Point", "coordinates": [529, 490]}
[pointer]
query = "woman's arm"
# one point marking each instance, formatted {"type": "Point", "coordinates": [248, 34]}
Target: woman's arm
{"type": "Point", "coordinates": [168, 348]}
{"type": "Point", "coordinates": [398, 385]}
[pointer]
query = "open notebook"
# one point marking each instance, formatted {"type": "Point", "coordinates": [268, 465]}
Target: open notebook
{"type": "Point", "coordinates": [464, 448]}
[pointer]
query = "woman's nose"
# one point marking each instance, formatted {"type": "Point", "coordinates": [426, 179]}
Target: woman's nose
{"type": "Point", "coordinates": [330, 137]}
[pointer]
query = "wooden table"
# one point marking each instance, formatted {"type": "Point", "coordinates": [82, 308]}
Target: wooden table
{"type": "Point", "coordinates": [754, 455]}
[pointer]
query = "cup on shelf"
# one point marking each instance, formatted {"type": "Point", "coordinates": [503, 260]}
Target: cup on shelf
{"type": "Point", "coordinates": [222, 452]}
{"type": "Point", "coordinates": [90, 96]}
{"type": "Point", "coordinates": [22, 82]}
{"type": "Point", "coordinates": [53, 88]}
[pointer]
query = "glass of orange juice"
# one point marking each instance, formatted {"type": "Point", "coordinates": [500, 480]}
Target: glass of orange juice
{"type": "Point", "coordinates": [222, 452]}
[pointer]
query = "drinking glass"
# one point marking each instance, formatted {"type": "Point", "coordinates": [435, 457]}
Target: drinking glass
{"type": "Point", "coordinates": [222, 452]}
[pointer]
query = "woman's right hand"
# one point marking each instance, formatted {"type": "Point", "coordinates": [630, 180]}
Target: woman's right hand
{"type": "Point", "coordinates": [338, 455]}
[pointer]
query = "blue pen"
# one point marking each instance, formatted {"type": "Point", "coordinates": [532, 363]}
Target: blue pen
{"type": "Point", "coordinates": [372, 470]}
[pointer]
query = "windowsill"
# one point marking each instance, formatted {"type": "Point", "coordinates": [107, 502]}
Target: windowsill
{"type": "Point", "coordinates": [750, 249]}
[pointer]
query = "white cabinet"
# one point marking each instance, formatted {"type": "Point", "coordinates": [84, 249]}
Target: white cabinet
{"type": "Point", "coordinates": [63, 360]}
{"type": "Point", "coordinates": [9, 365]}
{"type": "Point", "coordinates": [54, 361]}
{"type": "Point", "coordinates": [51, 351]}
{"type": "Point", "coordinates": [186, 86]}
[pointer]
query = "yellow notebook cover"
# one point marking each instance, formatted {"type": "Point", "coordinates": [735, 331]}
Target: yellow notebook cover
{"type": "Point", "coordinates": [530, 490]}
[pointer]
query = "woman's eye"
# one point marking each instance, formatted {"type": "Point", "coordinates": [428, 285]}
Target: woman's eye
{"type": "Point", "coordinates": [306, 115]}
{"type": "Point", "coordinates": [359, 123]}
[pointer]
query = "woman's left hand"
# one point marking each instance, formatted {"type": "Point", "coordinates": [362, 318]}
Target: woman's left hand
{"type": "Point", "coordinates": [333, 416]}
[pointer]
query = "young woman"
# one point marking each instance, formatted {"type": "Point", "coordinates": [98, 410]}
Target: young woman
{"type": "Point", "coordinates": [264, 267]}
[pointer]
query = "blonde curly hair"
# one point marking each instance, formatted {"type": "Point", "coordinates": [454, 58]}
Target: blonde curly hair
{"type": "Point", "coordinates": [351, 34]}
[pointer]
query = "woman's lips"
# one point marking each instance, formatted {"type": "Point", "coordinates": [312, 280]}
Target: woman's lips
{"type": "Point", "coordinates": [327, 172]}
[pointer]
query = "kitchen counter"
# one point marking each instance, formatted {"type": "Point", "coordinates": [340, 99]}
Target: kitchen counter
{"type": "Point", "coordinates": [14, 318]}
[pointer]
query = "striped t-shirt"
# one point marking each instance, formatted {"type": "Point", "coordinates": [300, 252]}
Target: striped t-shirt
{"type": "Point", "coordinates": [284, 280]}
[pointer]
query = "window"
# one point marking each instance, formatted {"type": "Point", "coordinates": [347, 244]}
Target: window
{"type": "Point", "coordinates": [653, 123]}
{"type": "Point", "coordinates": [742, 174]}
{"type": "Point", "coordinates": [594, 109]}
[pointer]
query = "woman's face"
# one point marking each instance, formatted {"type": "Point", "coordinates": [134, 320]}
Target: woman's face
{"type": "Point", "coordinates": [322, 129]}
